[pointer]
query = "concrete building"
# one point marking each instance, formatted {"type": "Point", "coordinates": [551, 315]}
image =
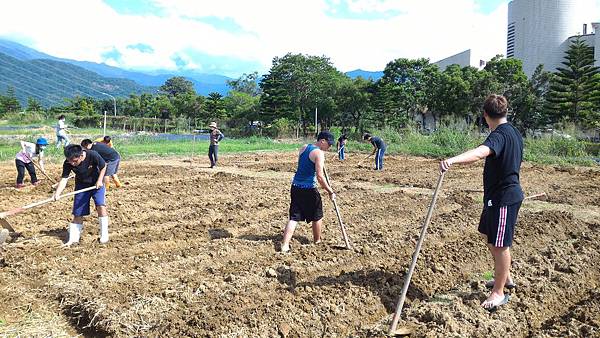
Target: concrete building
{"type": "Point", "coordinates": [540, 31]}
{"type": "Point", "coordinates": [463, 59]}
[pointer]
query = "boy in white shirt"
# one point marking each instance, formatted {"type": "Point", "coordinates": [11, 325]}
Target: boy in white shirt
{"type": "Point", "coordinates": [61, 132]}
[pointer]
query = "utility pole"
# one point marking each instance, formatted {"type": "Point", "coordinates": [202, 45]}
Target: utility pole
{"type": "Point", "coordinates": [114, 102]}
{"type": "Point", "coordinates": [104, 133]}
{"type": "Point", "coordinates": [316, 125]}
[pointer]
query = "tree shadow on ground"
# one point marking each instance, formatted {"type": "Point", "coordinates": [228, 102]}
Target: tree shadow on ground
{"type": "Point", "coordinates": [385, 284]}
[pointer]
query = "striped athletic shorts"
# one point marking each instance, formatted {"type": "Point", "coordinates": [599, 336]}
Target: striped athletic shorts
{"type": "Point", "coordinates": [498, 224]}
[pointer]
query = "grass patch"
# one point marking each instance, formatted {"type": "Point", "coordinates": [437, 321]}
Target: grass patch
{"type": "Point", "coordinates": [142, 146]}
{"type": "Point", "coordinates": [442, 143]}
{"type": "Point", "coordinates": [488, 275]}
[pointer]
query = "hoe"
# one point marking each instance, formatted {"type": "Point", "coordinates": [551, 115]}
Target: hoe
{"type": "Point", "coordinates": [6, 225]}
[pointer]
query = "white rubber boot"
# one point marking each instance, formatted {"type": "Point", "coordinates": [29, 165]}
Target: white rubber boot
{"type": "Point", "coordinates": [103, 229]}
{"type": "Point", "coordinates": [4, 234]}
{"type": "Point", "coordinates": [74, 233]}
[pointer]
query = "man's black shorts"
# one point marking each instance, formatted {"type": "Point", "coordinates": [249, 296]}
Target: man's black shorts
{"type": "Point", "coordinates": [306, 205]}
{"type": "Point", "coordinates": [498, 224]}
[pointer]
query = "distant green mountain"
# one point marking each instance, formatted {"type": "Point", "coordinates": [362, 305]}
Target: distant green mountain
{"type": "Point", "coordinates": [51, 82]}
{"type": "Point", "coordinates": [203, 83]}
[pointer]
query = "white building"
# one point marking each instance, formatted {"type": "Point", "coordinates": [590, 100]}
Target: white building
{"type": "Point", "coordinates": [540, 31]}
{"type": "Point", "coordinates": [463, 59]}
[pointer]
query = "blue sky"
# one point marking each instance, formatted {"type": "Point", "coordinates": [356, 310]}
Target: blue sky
{"type": "Point", "coordinates": [231, 37]}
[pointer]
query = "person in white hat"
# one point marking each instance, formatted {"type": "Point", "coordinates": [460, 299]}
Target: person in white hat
{"type": "Point", "coordinates": [215, 137]}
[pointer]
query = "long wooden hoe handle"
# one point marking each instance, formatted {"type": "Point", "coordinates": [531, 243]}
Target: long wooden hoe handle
{"type": "Point", "coordinates": [415, 256]}
{"type": "Point", "coordinates": [361, 161]}
{"type": "Point", "coordinates": [40, 168]}
{"type": "Point", "coordinates": [339, 217]}
{"type": "Point", "coordinates": [42, 202]}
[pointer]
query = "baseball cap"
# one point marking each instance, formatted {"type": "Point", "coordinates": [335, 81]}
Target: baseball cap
{"type": "Point", "coordinates": [327, 136]}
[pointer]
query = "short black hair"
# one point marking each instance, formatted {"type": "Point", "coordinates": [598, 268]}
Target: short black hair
{"type": "Point", "coordinates": [86, 142]}
{"type": "Point", "coordinates": [72, 151]}
{"type": "Point", "coordinates": [326, 135]}
{"type": "Point", "coordinates": [60, 117]}
{"type": "Point", "coordinates": [343, 137]}
{"type": "Point", "coordinates": [106, 139]}
{"type": "Point", "coordinates": [366, 136]}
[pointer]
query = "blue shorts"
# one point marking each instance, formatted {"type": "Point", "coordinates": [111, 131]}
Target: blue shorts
{"type": "Point", "coordinates": [81, 202]}
{"type": "Point", "coordinates": [497, 223]}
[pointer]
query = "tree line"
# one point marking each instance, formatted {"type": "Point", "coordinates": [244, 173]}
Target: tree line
{"type": "Point", "coordinates": [297, 85]}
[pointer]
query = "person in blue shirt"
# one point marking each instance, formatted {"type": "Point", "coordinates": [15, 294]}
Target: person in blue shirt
{"type": "Point", "coordinates": [502, 193]}
{"type": "Point", "coordinates": [306, 204]}
{"type": "Point", "coordinates": [379, 148]}
{"type": "Point", "coordinates": [341, 147]}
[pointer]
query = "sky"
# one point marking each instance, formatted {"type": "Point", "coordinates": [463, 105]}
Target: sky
{"type": "Point", "coordinates": [232, 37]}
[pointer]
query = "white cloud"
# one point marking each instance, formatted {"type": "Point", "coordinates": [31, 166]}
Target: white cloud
{"type": "Point", "coordinates": [86, 29]}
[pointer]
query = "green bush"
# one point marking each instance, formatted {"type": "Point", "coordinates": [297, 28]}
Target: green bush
{"type": "Point", "coordinates": [25, 118]}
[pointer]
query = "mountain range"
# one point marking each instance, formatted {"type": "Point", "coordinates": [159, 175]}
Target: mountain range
{"type": "Point", "coordinates": [50, 79]}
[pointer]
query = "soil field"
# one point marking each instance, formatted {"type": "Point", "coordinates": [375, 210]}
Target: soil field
{"type": "Point", "coordinates": [193, 252]}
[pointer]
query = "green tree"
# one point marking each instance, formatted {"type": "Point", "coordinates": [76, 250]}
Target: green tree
{"type": "Point", "coordinates": [534, 116]}
{"type": "Point", "coordinates": [33, 105]}
{"type": "Point", "coordinates": [163, 107]}
{"type": "Point", "coordinates": [247, 83]}
{"type": "Point", "coordinates": [132, 106]}
{"type": "Point", "coordinates": [406, 84]}
{"type": "Point", "coordinates": [242, 107]}
{"type": "Point", "coordinates": [508, 79]}
{"type": "Point", "coordinates": [215, 106]}
{"type": "Point", "coordinates": [11, 103]}
{"type": "Point", "coordinates": [187, 105]}
{"type": "Point", "coordinates": [297, 84]}
{"type": "Point", "coordinates": [574, 89]}
{"type": "Point", "coordinates": [177, 85]}
{"type": "Point", "coordinates": [353, 101]}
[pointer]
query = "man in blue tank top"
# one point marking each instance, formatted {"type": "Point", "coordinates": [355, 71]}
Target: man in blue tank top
{"type": "Point", "coordinates": [306, 202]}
{"type": "Point", "coordinates": [502, 193]}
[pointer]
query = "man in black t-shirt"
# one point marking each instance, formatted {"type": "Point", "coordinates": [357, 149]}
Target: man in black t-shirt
{"type": "Point", "coordinates": [110, 155]}
{"type": "Point", "coordinates": [379, 148]}
{"type": "Point", "coordinates": [502, 193]}
{"type": "Point", "coordinates": [89, 169]}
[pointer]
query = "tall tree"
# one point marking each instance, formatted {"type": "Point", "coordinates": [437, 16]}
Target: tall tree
{"type": "Point", "coordinates": [33, 105]}
{"type": "Point", "coordinates": [215, 106]}
{"type": "Point", "coordinates": [11, 103]}
{"type": "Point", "coordinates": [353, 101]}
{"type": "Point", "coordinates": [408, 82]}
{"type": "Point", "coordinates": [177, 85]}
{"type": "Point", "coordinates": [247, 83]}
{"type": "Point", "coordinates": [302, 83]}
{"type": "Point", "coordinates": [575, 86]}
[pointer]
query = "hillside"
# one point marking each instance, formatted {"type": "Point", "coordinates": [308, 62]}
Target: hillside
{"type": "Point", "coordinates": [203, 83]}
{"type": "Point", "coordinates": [50, 81]}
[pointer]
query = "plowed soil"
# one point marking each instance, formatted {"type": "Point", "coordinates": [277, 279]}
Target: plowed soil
{"type": "Point", "coordinates": [193, 252]}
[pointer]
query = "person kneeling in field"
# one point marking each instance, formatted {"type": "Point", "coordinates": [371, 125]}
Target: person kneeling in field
{"type": "Point", "coordinates": [89, 169]}
{"type": "Point", "coordinates": [306, 202]}
{"type": "Point", "coordinates": [110, 156]}
{"type": "Point", "coordinates": [502, 193]}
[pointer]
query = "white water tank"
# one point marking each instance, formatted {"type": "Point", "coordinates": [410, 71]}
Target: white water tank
{"type": "Point", "coordinates": [538, 30]}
